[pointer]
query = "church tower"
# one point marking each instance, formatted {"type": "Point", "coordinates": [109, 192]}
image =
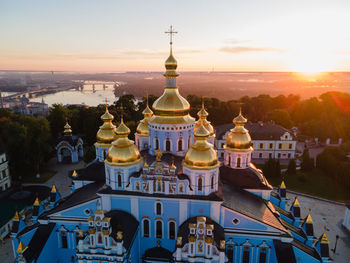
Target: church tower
{"type": "Point", "coordinates": [171, 126]}
{"type": "Point", "coordinates": [203, 114]}
{"type": "Point", "coordinates": [142, 133]}
{"type": "Point", "coordinates": [105, 135]}
{"type": "Point", "coordinates": [123, 159]}
{"type": "Point", "coordinates": [238, 143]}
{"type": "Point", "coordinates": [201, 163]}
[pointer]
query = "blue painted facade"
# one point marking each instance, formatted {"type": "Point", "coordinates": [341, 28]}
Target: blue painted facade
{"type": "Point", "coordinates": [156, 209]}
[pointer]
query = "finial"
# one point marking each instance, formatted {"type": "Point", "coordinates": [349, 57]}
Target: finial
{"type": "Point", "coordinates": [36, 202]}
{"type": "Point", "coordinates": [53, 189]}
{"type": "Point", "coordinates": [74, 174]}
{"type": "Point", "coordinates": [121, 108]}
{"type": "Point", "coordinates": [158, 243]}
{"type": "Point", "coordinates": [202, 102]}
{"type": "Point", "coordinates": [283, 185]}
{"type": "Point", "coordinates": [106, 102]}
{"type": "Point", "coordinates": [296, 202]}
{"type": "Point", "coordinates": [147, 99]}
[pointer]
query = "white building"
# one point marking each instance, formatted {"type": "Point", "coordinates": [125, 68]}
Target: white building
{"type": "Point", "coordinates": [269, 140]}
{"type": "Point", "coordinates": [5, 180]}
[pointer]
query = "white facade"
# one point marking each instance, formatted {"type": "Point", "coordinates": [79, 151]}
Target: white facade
{"type": "Point", "coordinates": [5, 180]}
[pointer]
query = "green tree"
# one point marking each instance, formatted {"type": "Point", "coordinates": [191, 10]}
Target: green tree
{"type": "Point", "coordinates": [307, 163]}
{"type": "Point", "coordinates": [281, 117]}
{"type": "Point", "coordinates": [292, 167]}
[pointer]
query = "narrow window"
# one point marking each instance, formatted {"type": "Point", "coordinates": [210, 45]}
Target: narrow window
{"type": "Point", "coordinates": [64, 239]}
{"type": "Point", "coordinates": [189, 141]}
{"type": "Point", "coordinates": [92, 242]}
{"type": "Point", "coordinates": [271, 145]}
{"type": "Point", "coordinates": [99, 239]}
{"type": "Point", "coordinates": [76, 238]}
{"type": "Point", "coordinates": [229, 160]}
{"type": "Point", "coordinates": [262, 257]}
{"type": "Point", "coordinates": [200, 184]}
{"type": "Point", "coordinates": [167, 145]}
{"type": "Point", "coordinates": [172, 230]}
{"type": "Point", "coordinates": [290, 146]}
{"type": "Point", "coordinates": [246, 255]}
{"type": "Point", "coordinates": [279, 155]}
{"type": "Point", "coordinates": [157, 144]}
{"type": "Point", "coordinates": [280, 146]}
{"type": "Point", "coordinates": [212, 181]}
{"type": "Point", "coordinates": [239, 162]}
{"type": "Point", "coordinates": [261, 146]}
{"type": "Point", "coordinates": [146, 228]}
{"type": "Point", "coordinates": [270, 155]}
{"type": "Point", "coordinates": [229, 253]}
{"type": "Point", "coordinates": [159, 229]}
{"type": "Point", "coordinates": [260, 155]}
{"type": "Point", "coordinates": [179, 145]}
{"type": "Point", "coordinates": [181, 188]}
{"type": "Point", "coordinates": [119, 180]}
{"type": "Point", "coordinates": [289, 155]}
{"type": "Point", "coordinates": [158, 208]}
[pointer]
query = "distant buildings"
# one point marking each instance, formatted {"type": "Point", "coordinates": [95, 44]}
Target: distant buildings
{"type": "Point", "coordinates": [269, 140]}
{"type": "Point", "coordinates": [26, 107]}
{"type": "Point", "coordinates": [5, 180]}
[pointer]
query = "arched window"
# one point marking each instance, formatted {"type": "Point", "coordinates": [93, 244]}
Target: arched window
{"type": "Point", "coordinates": [92, 240]}
{"type": "Point", "coordinates": [99, 239]}
{"type": "Point", "coordinates": [189, 141]}
{"type": "Point", "coordinates": [239, 162]}
{"type": "Point", "coordinates": [229, 160]}
{"type": "Point", "coordinates": [167, 145]}
{"type": "Point", "coordinates": [137, 186]}
{"type": "Point", "coordinates": [212, 181]}
{"type": "Point", "coordinates": [246, 254]}
{"type": "Point", "coordinates": [156, 144]}
{"type": "Point", "coordinates": [200, 183]}
{"type": "Point", "coordinates": [146, 228]}
{"type": "Point", "coordinates": [158, 208]}
{"type": "Point", "coordinates": [171, 230]}
{"type": "Point", "coordinates": [159, 229]}
{"type": "Point", "coordinates": [64, 239]}
{"type": "Point", "coordinates": [262, 256]}
{"type": "Point", "coordinates": [76, 238]}
{"type": "Point", "coordinates": [109, 177]}
{"type": "Point", "coordinates": [179, 145]}
{"type": "Point", "coordinates": [119, 180]}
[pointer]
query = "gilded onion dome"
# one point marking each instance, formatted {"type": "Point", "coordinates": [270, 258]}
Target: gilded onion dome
{"type": "Point", "coordinates": [67, 129]}
{"type": "Point", "coordinates": [142, 128]}
{"type": "Point", "coordinates": [201, 154]}
{"type": "Point", "coordinates": [203, 114]}
{"type": "Point", "coordinates": [171, 107]}
{"type": "Point", "coordinates": [106, 134]}
{"type": "Point", "coordinates": [123, 151]}
{"type": "Point", "coordinates": [238, 138]}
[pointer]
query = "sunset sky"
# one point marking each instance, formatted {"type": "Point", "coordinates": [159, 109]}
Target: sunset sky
{"type": "Point", "coordinates": [233, 35]}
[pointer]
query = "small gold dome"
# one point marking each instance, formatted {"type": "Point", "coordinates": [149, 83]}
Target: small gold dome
{"type": "Point", "coordinates": [201, 154]}
{"type": "Point", "coordinates": [123, 151]}
{"type": "Point", "coordinates": [238, 138]}
{"type": "Point", "coordinates": [171, 65]}
{"type": "Point", "coordinates": [106, 134]}
{"type": "Point", "coordinates": [203, 114]}
{"type": "Point", "coordinates": [67, 129]}
{"type": "Point", "coordinates": [142, 127]}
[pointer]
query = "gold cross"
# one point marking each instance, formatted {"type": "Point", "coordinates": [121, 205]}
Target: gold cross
{"type": "Point", "coordinates": [171, 32]}
{"type": "Point", "coordinates": [121, 108]}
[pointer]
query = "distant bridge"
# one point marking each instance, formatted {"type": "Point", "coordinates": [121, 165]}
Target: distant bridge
{"type": "Point", "coordinates": [30, 93]}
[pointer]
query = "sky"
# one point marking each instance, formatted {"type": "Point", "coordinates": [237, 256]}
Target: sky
{"type": "Point", "coordinates": [128, 35]}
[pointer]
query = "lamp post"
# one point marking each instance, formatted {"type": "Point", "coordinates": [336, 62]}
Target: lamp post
{"type": "Point", "coordinates": [336, 242]}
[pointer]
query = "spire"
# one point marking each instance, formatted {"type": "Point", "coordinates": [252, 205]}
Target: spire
{"type": "Point", "coordinates": [21, 248]}
{"type": "Point", "coordinates": [240, 120]}
{"type": "Point", "coordinates": [283, 186]}
{"type": "Point", "coordinates": [74, 174]}
{"type": "Point", "coordinates": [171, 63]}
{"type": "Point", "coordinates": [296, 202]}
{"type": "Point", "coordinates": [308, 219]}
{"type": "Point", "coordinates": [324, 238]}
{"type": "Point", "coordinates": [16, 216]}
{"type": "Point", "coordinates": [53, 189]}
{"type": "Point", "coordinates": [36, 202]}
{"type": "Point", "coordinates": [122, 129]}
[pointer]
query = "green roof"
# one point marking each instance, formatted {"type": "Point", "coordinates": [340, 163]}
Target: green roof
{"type": "Point", "coordinates": [8, 210]}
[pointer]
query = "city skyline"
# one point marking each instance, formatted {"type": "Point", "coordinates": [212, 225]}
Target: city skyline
{"type": "Point", "coordinates": [129, 36]}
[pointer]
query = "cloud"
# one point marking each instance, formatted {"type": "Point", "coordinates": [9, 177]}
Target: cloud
{"type": "Point", "coordinates": [247, 49]}
{"type": "Point", "coordinates": [235, 41]}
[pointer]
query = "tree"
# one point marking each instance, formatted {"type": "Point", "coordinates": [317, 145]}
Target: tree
{"type": "Point", "coordinates": [307, 163]}
{"type": "Point", "coordinates": [57, 118]}
{"type": "Point", "coordinates": [292, 167]}
{"type": "Point", "coordinates": [272, 168]}
{"type": "Point", "coordinates": [281, 117]}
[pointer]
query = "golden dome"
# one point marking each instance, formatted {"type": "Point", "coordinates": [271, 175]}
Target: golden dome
{"type": "Point", "coordinates": [142, 128]}
{"type": "Point", "coordinates": [203, 114]}
{"type": "Point", "coordinates": [201, 154]}
{"type": "Point", "coordinates": [67, 129]}
{"type": "Point", "coordinates": [106, 134]}
{"type": "Point", "coordinates": [238, 138]}
{"type": "Point", "coordinates": [123, 151]}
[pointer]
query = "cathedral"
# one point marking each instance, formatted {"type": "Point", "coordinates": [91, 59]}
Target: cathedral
{"type": "Point", "coordinates": [167, 198]}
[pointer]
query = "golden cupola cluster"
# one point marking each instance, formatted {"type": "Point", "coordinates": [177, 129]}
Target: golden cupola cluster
{"type": "Point", "coordinates": [123, 151]}
{"type": "Point", "coordinates": [202, 115]}
{"type": "Point", "coordinates": [238, 139]}
{"type": "Point", "coordinates": [106, 134]}
{"type": "Point", "coordinates": [67, 129]}
{"type": "Point", "coordinates": [171, 107]}
{"type": "Point", "coordinates": [142, 128]}
{"type": "Point", "coordinates": [201, 154]}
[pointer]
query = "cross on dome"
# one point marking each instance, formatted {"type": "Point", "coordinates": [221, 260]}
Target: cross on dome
{"type": "Point", "coordinates": [171, 32]}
